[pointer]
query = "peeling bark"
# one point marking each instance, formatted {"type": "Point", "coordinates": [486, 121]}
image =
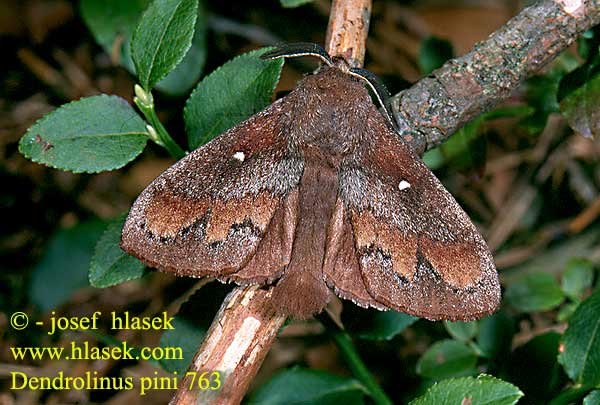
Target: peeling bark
{"type": "Point", "coordinates": [235, 346]}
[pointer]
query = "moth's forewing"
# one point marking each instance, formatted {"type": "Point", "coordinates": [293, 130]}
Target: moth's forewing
{"type": "Point", "coordinates": [417, 250]}
{"type": "Point", "coordinates": [207, 214]}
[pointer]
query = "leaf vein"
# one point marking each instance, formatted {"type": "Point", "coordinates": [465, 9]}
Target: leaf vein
{"type": "Point", "coordinates": [587, 350]}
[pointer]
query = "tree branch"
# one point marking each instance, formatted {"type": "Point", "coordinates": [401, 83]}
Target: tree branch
{"type": "Point", "coordinates": [436, 106]}
{"type": "Point", "coordinates": [235, 346]}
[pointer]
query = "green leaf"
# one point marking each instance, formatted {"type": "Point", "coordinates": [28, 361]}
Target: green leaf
{"type": "Point", "coordinates": [230, 94]}
{"type": "Point", "coordinates": [433, 53]}
{"type": "Point", "coordinates": [484, 389]}
{"type": "Point", "coordinates": [187, 73]}
{"type": "Point", "coordinates": [566, 311]}
{"type": "Point", "coordinates": [294, 3]}
{"type": "Point", "coordinates": [588, 43]}
{"type": "Point", "coordinates": [580, 354]}
{"type": "Point", "coordinates": [93, 134]}
{"type": "Point", "coordinates": [541, 95]}
{"type": "Point", "coordinates": [578, 77]}
{"type": "Point", "coordinates": [110, 265]}
{"type": "Point", "coordinates": [191, 323]}
{"type": "Point", "coordinates": [461, 148]}
{"type": "Point", "coordinates": [447, 358]}
{"type": "Point", "coordinates": [64, 265]}
{"type": "Point", "coordinates": [434, 158]}
{"type": "Point", "coordinates": [577, 278]}
{"type": "Point", "coordinates": [593, 398]}
{"type": "Point", "coordinates": [534, 292]}
{"type": "Point", "coordinates": [114, 21]}
{"type": "Point", "coordinates": [302, 386]}
{"type": "Point", "coordinates": [495, 335]}
{"type": "Point", "coordinates": [538, 354]}
{"type": "Point", "coordinates": [162, 38]}
{"type": "Point", "coordinates": [463, 331]}
{"type": "Point", "coordinates": [570, 395]}
{"type": "Point", "coordinates": [581, 108]}
{"type": "Point", "coordinates": [373, 324]}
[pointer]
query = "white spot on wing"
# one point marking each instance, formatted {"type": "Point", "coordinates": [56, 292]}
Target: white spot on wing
{"type": "Point", "coordinates": [403, 185]}
{"type": "Point", "coordinates": [239, 156]}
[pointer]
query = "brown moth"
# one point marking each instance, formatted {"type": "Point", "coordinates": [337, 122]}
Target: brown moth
{"type": "Point", "coordinates": [317, 193]}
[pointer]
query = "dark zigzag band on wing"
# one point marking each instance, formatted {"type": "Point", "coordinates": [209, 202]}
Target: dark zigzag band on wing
{"type": "Point", "coordinates": [417, 249]}
{"type": "Point", "coordinates": [427, 295]}
{"type": "Point", "coordinates": [208, 213]}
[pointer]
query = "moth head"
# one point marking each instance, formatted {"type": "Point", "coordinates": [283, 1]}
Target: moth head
{"type": "Point", "coordinates": [371, 80]}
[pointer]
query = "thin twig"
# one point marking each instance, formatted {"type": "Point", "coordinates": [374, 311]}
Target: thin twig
{"type": "Point", "coordinates": [156, 130]}
{"type": "Point", "coordinates": [348, 29]}
{"type": "Point", "coordinates": [586, 217]}
{"type": "Point", "coordinates": [435, 107]}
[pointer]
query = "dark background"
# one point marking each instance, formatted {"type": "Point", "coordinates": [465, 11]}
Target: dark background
{"type": "Point", "coordinates": [525, 204]}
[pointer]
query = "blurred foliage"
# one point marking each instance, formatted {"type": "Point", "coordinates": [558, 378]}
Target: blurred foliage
{"type": "Point", "coordinates": [433, 52]}
{"type": "Point", "coordinates": [58, 274]}
{"type": "Point", "coordinates": [529, 182]}
{"type": "Point", "coordinates": [301, 386]}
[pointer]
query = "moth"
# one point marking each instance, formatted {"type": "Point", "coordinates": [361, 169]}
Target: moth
{"type": "Point", "coordinates": [318, 195]}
